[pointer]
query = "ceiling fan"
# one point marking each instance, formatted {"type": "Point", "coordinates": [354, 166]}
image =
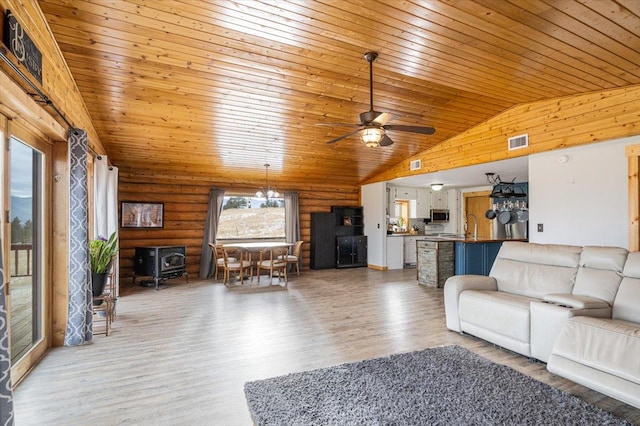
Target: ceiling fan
{"type": "Point", "coordinates": [373, 124]}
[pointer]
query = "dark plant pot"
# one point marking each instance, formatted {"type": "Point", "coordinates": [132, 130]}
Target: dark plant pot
{"type": "Point", "coordinates": [98, 281]}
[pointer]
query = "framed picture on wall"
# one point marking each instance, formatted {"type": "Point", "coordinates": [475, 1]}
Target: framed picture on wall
{"type": "Point", "coordinates": [141, 215]}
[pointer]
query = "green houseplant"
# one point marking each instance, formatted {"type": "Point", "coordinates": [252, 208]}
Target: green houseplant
{"type": "Point", "coordinates": [101, 253]}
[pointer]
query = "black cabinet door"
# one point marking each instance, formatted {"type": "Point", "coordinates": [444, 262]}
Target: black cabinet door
{"type": "Point", "coordinates": [351, 251]}
{"type": "Point", "coordinates": [323, 241]}
{"type": "Point", "coordinates": [360, 251]}
{"type": "Point", "coordinates": [344, 251]}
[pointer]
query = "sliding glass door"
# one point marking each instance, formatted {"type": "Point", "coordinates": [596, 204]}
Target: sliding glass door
{"type": "Point", "coordinates": [26, 248]}
{"type": "Point", "coordinates": [25, 265]}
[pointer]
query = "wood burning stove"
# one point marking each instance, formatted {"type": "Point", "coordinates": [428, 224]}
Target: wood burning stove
{"type": "Point", "coordinates": [160, 263]}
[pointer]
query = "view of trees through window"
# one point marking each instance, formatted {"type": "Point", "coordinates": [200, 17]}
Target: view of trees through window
{"type": "Point", "coordinates": [251, 218]}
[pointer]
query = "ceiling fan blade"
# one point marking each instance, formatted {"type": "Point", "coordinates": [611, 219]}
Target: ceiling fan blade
{"type": "Point", "coordinates": [339, 138]}
{"type": "Point", "coordinates": [385, 141]}
{"type": "Point", "coordinates": [339, 124]}
{"type": "Point", "coordinates": [383, 118]}
{"type": "Point", "coordinates": [411, 129]}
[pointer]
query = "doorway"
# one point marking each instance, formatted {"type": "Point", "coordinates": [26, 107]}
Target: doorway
{"type": "Point", "coordinates": [25, 256]}
{"type": "Point", "coordinates": [477, 204]}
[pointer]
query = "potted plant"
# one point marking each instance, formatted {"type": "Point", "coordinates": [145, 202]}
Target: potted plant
{"type": "Point", "coordinates": [101, 254]}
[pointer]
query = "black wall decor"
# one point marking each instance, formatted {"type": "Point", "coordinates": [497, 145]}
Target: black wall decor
{"type": "Point", "coordinates": [19, 43]}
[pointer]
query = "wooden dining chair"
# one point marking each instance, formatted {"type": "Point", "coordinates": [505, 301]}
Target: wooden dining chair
{"type": "Point", "coordinates": [218, 259]}
{"type": "Point", "coordinates": [237, 261]}
{"type": "Point", "coordinates": [294, 257]}
{"type": "Point", "coordinates": [273, 260]}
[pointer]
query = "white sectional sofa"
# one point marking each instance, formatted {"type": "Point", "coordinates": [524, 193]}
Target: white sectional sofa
{"type": "Point", "coordinates": [545, 301]}
{"type": "Point", "coordinates": [604, 353]}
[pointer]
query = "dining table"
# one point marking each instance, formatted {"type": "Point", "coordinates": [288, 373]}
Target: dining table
{"type": "Point", "coordinates": [256, 246]}
{"type": "Point", "coordinates": [253, 247]}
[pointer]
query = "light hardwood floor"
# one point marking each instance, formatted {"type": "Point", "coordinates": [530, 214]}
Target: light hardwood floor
{"type": "Point", "coordinates": [181, 355]}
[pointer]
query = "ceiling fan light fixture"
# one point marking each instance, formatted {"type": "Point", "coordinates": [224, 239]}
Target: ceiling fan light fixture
{"type": "Point", "coordinates": [437, 186]}
{"type": "Point", "coordinates": [372, 136]}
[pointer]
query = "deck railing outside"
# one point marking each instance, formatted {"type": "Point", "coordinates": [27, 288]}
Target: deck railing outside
{"type": "Point", "coordinates": [25, 270]}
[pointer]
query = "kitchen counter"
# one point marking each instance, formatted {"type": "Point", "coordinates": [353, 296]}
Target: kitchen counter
{"type": "Point", "coordinates": [436, 261]}
{"type": "Point", "coordinates": [468, 240]}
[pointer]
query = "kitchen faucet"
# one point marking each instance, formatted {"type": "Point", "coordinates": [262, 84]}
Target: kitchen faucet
{"type": "Point", "coordinates": [475, 225]}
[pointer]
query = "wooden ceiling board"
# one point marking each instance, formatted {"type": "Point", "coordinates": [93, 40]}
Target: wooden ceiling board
{"type": "Point", "coordinates": [213, 90]}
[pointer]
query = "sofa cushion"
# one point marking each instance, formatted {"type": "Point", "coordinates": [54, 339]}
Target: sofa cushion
{"type": "Point", "coordinates": [606, 345]}
{"type": "Point", "coordinates": [597, 284]}
{"type": "Point", "coordinates": [626, 305]}
{"type": "Point", "coordinates": [600, 272]}
{"type": "Point", "coordinates": [546, 254]}
{"type": "Point", "coordinates": [532, 280]}
{"type": "Point", "coordinates": [503, 313]}
{"type": "Point", "coordinates": [606, 258]}
{"type": "Point", "coordinates": [533, 270]}
{"type": "Point", "coordinates": [632, 265]}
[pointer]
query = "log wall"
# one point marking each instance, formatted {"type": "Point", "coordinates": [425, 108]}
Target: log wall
{"type": "Point", "coordinates": [185, 209]}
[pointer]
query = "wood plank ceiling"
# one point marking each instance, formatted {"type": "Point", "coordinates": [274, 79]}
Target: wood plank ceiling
{"type": "Point", "coordinates": [212, 90]}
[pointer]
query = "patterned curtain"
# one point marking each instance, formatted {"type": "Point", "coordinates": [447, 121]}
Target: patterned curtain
{"type": "Point", "coordinates": [6, 395]}
{"type": "Point", "coordinates": [216, 199]}
{"type": "Point", "coordinates": [291, 217]}
{"type": "Point", "coordinates": [79, 318]}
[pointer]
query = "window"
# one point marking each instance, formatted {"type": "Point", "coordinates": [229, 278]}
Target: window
{"type": "Point", "coordinates": [245, 218]}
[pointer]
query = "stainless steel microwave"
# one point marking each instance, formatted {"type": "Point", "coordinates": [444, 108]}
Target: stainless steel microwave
{"type": "Point", "coordinates": [439, 216]}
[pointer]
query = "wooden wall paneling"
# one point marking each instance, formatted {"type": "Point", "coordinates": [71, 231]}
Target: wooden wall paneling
{"type": "Point", "coordinates": [452, 66]}
{"type": "Point", "coordinates": [60, 241]}
{"type": "Point", "coordinates": [57, 82]}
{"type": "Point", "coordinates": [185, 208]}
{"type": "Point", "coordinates": [567, 122]}
{"type": "Point", "coordinates": [633, 155]}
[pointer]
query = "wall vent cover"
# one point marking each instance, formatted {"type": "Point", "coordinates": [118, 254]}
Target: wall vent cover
{"type": "Point", "coordinates": [520, 141]}
{"type": "Point", "coordinates": [415, 165]}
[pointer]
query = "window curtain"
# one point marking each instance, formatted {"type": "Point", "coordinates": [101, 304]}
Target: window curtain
{"type": "Point", "coordinates": [216, 199]}
{"type": "Point", "coordinates": [105, 213]}
{"type": "Point", "coordinates": [79, 316]}
{"type": "Point", "coordinates": [6, 394]}
{"type": "Point", "coordinates": [291, 217]}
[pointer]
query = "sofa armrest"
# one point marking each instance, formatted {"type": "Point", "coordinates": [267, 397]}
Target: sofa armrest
{"type": "Point", "coordinates": [576, 301]}
{"type": "Point", "coordinates": [456, 285]}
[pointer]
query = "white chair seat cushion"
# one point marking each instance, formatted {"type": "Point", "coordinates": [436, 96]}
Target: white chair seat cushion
{"type": "Point", "coordinates": [289, 258]}
{"type": "Point", "coordinates": [607, 345]}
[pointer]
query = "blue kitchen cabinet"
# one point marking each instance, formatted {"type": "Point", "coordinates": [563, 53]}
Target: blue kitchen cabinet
{"type": "Point", "coordinates": [475, 258]}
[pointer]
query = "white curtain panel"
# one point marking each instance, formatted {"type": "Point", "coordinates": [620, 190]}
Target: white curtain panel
{"type": "Point", "coordinates": [105, 214]}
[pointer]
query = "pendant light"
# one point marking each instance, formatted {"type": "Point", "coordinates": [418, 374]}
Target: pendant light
{"type": "Point", "coordinates": [267, 192]}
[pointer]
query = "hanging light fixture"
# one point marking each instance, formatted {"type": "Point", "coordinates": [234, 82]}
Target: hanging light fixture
{"type": "Point", "coordinates": [267, 191]}
{"type": "Point", "coordinates": [372, 136]}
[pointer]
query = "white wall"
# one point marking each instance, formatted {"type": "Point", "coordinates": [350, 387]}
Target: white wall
{"type": "Point", "coordinates": [583, 201]}
{"type": "Point", "coordinates": [374, 203]}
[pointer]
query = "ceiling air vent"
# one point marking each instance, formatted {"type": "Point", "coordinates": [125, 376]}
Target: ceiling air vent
{"type": "Point", "coordinates": [520, 141]}
{"type": "Point", "coordinates": [415, 165]}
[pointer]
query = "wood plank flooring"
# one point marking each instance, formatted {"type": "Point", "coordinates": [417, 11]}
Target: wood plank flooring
{"type": "Point", "coordinates": [181, 355]}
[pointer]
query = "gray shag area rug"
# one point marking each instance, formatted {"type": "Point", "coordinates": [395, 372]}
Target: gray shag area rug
{"type": "Point", "coordinates": [438, 386]}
